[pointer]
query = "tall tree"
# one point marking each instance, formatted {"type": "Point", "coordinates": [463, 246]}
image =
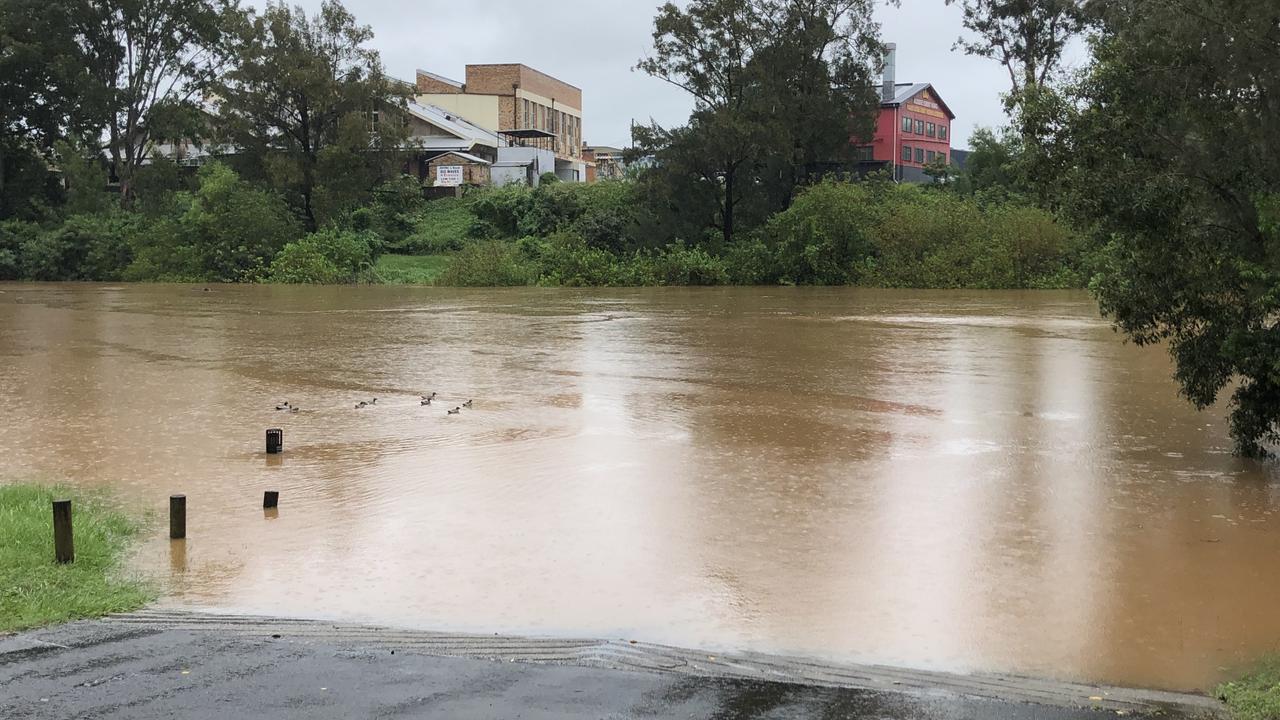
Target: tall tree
{"type": "Point", "coordinates": [311, 101]}
{"type": "Point", "coordinates": [1027, 37]}
{"type": "Point", "coordinates": [1172, 150]}
{"type": "Point", "coordinates": [43, 80]}
{"type": "Point", "coordinates": [150, 61]}
{"type": "Point", "coordinates": [779, 87]}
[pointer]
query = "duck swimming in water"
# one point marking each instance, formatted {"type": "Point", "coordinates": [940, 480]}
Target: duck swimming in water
{"type": "Point", "coordinates": [455, 411]}
{"type": "Point", "coordinates": [432, 396]}
{"type": "Point", "coordinates": [362, 405]}
{"type": "Point", "coordinates": [283, 406]}
{"type": "Point", "coordinates": [467, 404]}
{"type": "Point", "coordinates": [426, 401]}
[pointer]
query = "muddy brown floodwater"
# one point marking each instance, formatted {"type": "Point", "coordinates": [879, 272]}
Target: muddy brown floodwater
{"type": "Point", "coordinates": [962, 481]}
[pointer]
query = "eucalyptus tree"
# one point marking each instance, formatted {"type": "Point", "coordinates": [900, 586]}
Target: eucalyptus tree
{"type": "Point", "coordinates": [309, 102]}
{"type": "Point", "coordinates": [150, 64]}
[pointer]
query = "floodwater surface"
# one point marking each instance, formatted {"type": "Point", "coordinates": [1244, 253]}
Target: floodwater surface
{"type": "Point", "coordinates": [959, 481]}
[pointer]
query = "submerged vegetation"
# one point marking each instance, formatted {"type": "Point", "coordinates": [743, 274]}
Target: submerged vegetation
{"type": "Point", "coordinates": [34, 589]}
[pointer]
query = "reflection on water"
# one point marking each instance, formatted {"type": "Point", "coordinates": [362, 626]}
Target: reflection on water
{"type": "Point", "coordinates": [967, 481]}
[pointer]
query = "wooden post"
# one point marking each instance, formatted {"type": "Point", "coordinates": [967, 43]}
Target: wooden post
{"type": "Point", "coordinates": [177, 517]}
{"type": "Point", "coordinates": [270, 499]}
{"type": "Point", "coordinates": [64, 548]}
{"type": "Point", "coordinates": [275, 441]}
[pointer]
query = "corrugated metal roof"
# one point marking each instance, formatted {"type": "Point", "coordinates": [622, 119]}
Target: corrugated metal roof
{"type": "Point", "coordinates": [460, 127]}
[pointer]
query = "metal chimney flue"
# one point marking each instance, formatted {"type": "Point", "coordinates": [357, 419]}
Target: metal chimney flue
{"type": "Point", "coordinates": [888, 91]}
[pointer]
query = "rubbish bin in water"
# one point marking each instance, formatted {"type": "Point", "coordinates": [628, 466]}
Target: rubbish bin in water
{"type": "Point", "coordinates": [275, 441]}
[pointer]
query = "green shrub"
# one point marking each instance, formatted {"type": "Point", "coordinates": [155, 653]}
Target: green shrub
{"type": "Point", "coordinates": [751, 262]}
{"type": "Point", "coordinates": [84, 247]}
{"type": "Point", "coordinates": [566, 259]}
{"type": "Point", "coordinates": [499, 211]}
{"type": "Point", "coordinates": [13, 235]}
{"type": "Point", "coordinates": [234, 229]}
{"type": "Point", "coordinates": [440, 226]}
{"type": "Point", "coordinates": [490, 263]}
{"type": "Point", "coordinates": [680, 265]}
{"type": "Point", "coordinates": [329, 257]}
{"type": "Point", "coordinates": [822, 238]}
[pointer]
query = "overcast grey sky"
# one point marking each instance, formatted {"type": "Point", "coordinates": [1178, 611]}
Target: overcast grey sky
{"type": "Point", "coordinates": [594, 44]}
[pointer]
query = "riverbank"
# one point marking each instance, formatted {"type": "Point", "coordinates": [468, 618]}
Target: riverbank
{"type": "Point", "coordinates": [159, 663]}
{"type": "Point", "coordinates": [34, 589]}
{"type": "Point", "coordinates": [1257, 695]}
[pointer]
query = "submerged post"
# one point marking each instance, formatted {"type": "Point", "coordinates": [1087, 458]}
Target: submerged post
{"type": "Point", "coordinates": [177, 517]}
{"type": "Point", "coordinates": [270, 499]}
{"type": "Point", "coordinates": [64, 548]}
{"type": "Point", "coordinates": [275, 441]}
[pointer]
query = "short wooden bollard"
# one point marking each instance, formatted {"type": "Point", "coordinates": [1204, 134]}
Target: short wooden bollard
{"type": "Point", "coordinates": [270, 499]}
{"type": "Point", "coordinates": [177, 517]}
{"type": "Point", "coordinates": [275, 441]}
{"type": "Point", "coordinates": [64, 547]}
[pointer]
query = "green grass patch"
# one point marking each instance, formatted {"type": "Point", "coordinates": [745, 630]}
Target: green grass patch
{"type": "Point", "coordinates": [440, 226]}
{"type": "Point", "coordinates": [410, 269]}
{"type": "Point", "coordinates": [34, 589]}
{"type": "Point", "coordinates": [1257, 695]}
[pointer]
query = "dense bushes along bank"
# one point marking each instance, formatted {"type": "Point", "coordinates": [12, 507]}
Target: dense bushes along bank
{"type": "Point", "coordinates": [870, 233]}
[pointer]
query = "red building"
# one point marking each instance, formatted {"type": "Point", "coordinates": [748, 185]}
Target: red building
{"type": "Point", "coordinates": [913, 130]}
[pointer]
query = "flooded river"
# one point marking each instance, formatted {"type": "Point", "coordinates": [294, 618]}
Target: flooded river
{"type": "Point", "coordinates": [960, 481]}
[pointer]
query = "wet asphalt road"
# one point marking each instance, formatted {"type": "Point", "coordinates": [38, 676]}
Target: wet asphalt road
{"type": "Point", "coordinates": [140, 672]}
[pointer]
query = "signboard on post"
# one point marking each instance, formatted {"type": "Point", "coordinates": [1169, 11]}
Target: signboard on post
{"type": "Point", "coordinates": [448, 175]}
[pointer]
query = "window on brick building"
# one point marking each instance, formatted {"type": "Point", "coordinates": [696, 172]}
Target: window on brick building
{"type": "Point", "coordinates": [919, 127]}
{"type": "Point", "coordinates": [920, 155]}
{"type": "Point", "coordinates": [527, 120]}
{"type": "Point", "coordinates": [906, 153]}
{"type": "Point", "coordinates": [931, 130]}
{"type": "Point", "coordinates": [906, 124]}
{"type": "Point", "coordinates": [942, 132]}
{"type": "Point", "coordinates": [866, 153]}
{"type": "Point", "coordinates": [928, 156]}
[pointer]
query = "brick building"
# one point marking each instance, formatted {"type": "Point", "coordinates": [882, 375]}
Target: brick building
{"type": "Point", "coordinates": [912, 131]}
{"type": "Point", "coordinates": [527, 108]}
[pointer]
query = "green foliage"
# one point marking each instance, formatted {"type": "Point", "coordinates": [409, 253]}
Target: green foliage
{"type": "Point", "coordinates": [84, 247]}
{"type": "Point", "coordinates": [328, 257]}
{"type": "Point", "coordinates": [905, 236]}
{"type": "Point", "coordinates": [301, 102]}
{"type": "Point", "coordinates": [440, 226]}
{"type": "Point", "coordinates": [1257, 695]}
{"type": "Point", "coordinates": [752, 69]}
{"type": "Point", "coordinates": [234, 229]}
{"type": "Point", "coordinates": [410, 269]}
{"type": "Point", "coordinates": [1167, 154]}
{"type": "Point", "coordinates": [680, 265]}
{"type": "Point", "coordinates": [491, 263]}
{"type": "Point", "coordinates": [822, 238]}
{"type": "Point", "coordinates": [14, 234]}
{"type": "Point", "coordinates": [35, 590]}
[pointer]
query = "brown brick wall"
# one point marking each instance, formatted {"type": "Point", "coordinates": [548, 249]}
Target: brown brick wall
{"type": "Point", "coordinates": [472, 173]}
{"type": "Point", "coordinates": [507, 120]}
{"type": "Point", "coordinates": [499, 79]}
{"type": "Point", "coordinates": [428, 84]}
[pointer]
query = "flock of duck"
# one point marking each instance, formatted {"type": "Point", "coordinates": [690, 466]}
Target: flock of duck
{"type": "Point", "coordinates": [427, 401]}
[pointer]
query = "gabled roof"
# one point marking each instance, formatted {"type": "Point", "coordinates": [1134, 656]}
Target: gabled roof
{"type": "Point", "coordinates": [466, 132]}
{"type": "Point", "coordinates": [465, 156]}
{"type": "Point", "coordinates": [905, 91]}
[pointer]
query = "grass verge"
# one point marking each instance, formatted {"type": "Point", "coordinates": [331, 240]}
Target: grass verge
{"type": "Point", "coordinates": [35, 590]}
{"type": "Point", "coordinates": [1257, 695]}
{"type": "Point", "coordinates": [410, 269]}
